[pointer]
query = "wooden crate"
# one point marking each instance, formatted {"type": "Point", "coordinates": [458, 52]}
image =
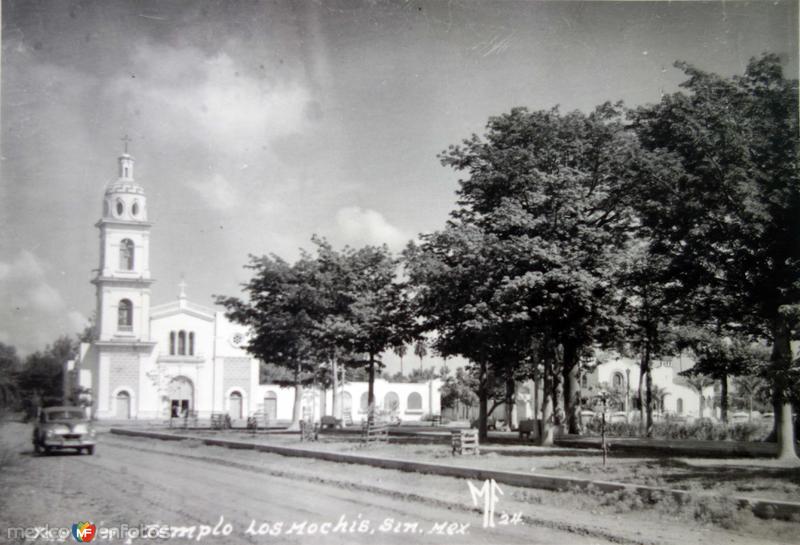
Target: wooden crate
{"type": "Point", "coordinates": [308, 431]}
{"type": "Point", "coordinates": [374, 432]}
{"type": "Point", "coordinates": [465, 442]}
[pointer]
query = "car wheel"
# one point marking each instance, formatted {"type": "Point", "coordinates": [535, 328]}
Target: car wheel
{"type": "Point", "coordinates": [47, 450]}
{"type": "Point", "coordinates": [90, 450]}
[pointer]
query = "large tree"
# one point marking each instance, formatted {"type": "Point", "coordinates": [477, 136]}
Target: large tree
{"type": "Point", "coordinates": [453, 274]}
{"type": "Point", "coordinates": [731, 223]}
{"type": "Point", "coordinates": [281, 311]}
{"type": "Point", "coordinates": [9, 367]}
{"type": "Point", "coordinates": [40, 381]}
{"type": "Point", "coordinates": [548, 187]}
{"type": "Point", "coordinates": [723, 357]}
{"type": "Point", "coordinates": [647, 304]}
{"type": "Point", "coordinates": [379, 317]}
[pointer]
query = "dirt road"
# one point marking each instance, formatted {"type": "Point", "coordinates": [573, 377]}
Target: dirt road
{"type": "Point", "coordinates": [191, 500]}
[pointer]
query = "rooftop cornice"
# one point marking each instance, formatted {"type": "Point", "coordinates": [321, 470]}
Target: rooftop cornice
{"type": "Point", "coordinates": [120, 280]}
{"type": "Point", "coordinates": [123, 223]}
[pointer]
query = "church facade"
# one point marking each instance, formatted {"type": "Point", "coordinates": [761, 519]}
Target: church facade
{"type": "Point", "coordinates": [154, 362]}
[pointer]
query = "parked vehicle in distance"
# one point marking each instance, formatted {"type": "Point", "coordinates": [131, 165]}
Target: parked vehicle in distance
{"type": "Point", "coordinates": [63, 427]}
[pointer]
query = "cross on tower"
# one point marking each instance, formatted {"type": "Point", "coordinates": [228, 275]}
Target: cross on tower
{"type": "Point", "coordinates": [182, 287]}
{"type": "Point", "coordinates": [126, 139]}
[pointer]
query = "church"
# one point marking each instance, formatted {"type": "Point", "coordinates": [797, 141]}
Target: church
{"type": "Point", "coordinates": [156, 362]}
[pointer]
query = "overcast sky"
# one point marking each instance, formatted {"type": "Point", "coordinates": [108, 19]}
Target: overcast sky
{"type": "Point", "coordinates": [258, 124]}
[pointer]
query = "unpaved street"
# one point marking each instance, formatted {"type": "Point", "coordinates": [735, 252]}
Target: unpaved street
{"type": "Point", "coordinates": [122, 484]}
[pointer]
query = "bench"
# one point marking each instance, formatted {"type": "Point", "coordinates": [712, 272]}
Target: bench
{"type": "Point", "coordinates": [526, 428]}
{"type": "Point", "coordinates": [434, 419]}
{"type": "Point", "coordinates": [330, 422]}
{"type": "Point", "coordinates": [188, 420]}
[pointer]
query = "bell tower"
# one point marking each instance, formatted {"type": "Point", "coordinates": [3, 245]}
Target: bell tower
{"type": "Point", "coordinates": [123, 279]}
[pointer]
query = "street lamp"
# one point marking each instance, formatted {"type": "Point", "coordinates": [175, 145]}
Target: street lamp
{"type": "Point", "coordinates": [603, 446]}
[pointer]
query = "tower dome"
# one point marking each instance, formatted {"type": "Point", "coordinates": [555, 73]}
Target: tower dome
{"type": "Point", "coordinates": [124, 198]}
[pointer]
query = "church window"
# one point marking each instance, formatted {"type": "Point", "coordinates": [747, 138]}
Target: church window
{"type": "Point", "coordinates": [414, 402]}
{"type": "Point", "coordinates": [120, 208]}
{"type": "Point", "coordinates": [126, 255]}
{"type": "Point", "coordinates": [191, 343]}
{"type": "Point", "coordinates": [171, 343]}
{"type": "Point", "coordinates": [125, 315]}
{"type": "Point", "coordinates": [182, 343]}
{"type": "Point", "coordinates": [135, 209]}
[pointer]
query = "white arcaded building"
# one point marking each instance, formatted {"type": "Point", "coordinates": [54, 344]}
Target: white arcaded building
{"type": "Point", "coordinates": [150, 362]}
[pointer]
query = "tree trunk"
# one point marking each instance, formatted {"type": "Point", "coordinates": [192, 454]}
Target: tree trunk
{"type": "Point", "coordinates": [536, 399]}
{"type": "Point", "coordinates": [781, 363]}
{"type": "Point", "coordinates": [723, 398]}
{"type": "Point", "coordinates": [297, 410]}
{"type": "Point", "coordinates": [557, 393]}
{"type": "Point", "coordinates": [483, 395]}
{"type": "Point", "coordinates": [640, 397]}
{"type": "Point", "coordinates": [509, 401]}
{"type": "Point", "coordinates": [336, 409]}
{"type": "Point", "coordinates": [546, 434]}
{"type": "Point", "coordinates": [572, 390]}
{"type": "Point", "coordinates": [776, 419]}
{"type": "Point", "coordinates": [786, 449]}
{"type": "Point", "coordinates": [649, 383]}
{"type": "Point", "coordinates": [371, 390]}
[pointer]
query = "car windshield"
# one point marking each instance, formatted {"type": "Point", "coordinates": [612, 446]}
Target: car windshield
{"type": "Point", "coordinates": [65, 415]}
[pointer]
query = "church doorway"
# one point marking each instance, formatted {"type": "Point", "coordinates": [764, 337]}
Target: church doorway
{"type": "Point", "coordinates": [271, 406]}
{"type": "Point", "coordinates": [235, 405]}
{"type": "Point", "coordinates": [123, 411]}
{"type": "Point", "coordinates": [181, 396]}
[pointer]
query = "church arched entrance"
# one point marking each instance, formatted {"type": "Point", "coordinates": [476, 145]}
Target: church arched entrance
{"type": "Point", "coordinates": [181, 396]}
{"type": "Point", "coordinates": [123, 405]}
{"type": "Point", "coordinates": [235, 405]}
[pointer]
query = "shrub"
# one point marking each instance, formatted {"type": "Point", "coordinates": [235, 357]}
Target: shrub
{"type": "Point", "coordinates": [703, 429]}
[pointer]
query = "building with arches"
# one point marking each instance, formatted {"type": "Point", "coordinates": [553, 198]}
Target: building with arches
{"type": "Point", "coordinates": [178, 358]}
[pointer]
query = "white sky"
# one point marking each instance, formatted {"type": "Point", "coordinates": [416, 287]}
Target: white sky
{"type": "Point", "coordinates": [258, 124]}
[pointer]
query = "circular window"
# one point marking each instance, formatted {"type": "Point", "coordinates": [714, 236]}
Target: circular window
{"type": "Point", "coordinates": [237, 340]}
{"type": "Point", "coordinates": [120, 208]}
{"type": "Point", "coordinates": [135, 209]}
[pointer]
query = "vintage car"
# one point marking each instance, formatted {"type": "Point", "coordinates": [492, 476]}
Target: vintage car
{"type": "Point", "coordinates": [63, 427]}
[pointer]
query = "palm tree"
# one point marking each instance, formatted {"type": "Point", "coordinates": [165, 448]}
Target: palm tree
{"type": "Point", "coordinates": [401, 351]}
{"type": "Point", "coordinates": [747, 387]}
{"type": "Point", "coordinates": [420, 350]}
{"type": "Point", "coordinates": [698, 383]}
{"type": "Point", "coordinates": [657, 394]}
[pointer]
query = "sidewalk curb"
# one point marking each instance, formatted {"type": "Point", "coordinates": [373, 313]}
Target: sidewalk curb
{"type": "Point", "coordinates": [760, 507]}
